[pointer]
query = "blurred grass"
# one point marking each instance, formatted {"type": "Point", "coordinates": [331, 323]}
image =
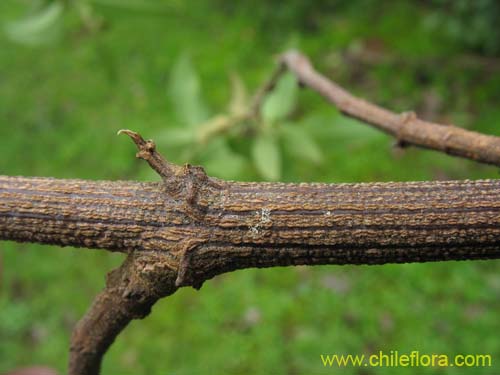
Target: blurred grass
{"type": "Point", "coordinates": [62, 103]}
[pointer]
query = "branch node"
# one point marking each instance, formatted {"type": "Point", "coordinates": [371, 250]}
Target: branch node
{"type": "Point", "coordinates": [295, 61]}
{"type": "Point", "coordinates": [407, 117]}
{"type": "Point", "coordinates": [181, 183]}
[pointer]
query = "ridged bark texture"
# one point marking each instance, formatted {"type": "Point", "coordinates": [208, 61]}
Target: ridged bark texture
{"type": "Point", "coordinates": [242, 225]}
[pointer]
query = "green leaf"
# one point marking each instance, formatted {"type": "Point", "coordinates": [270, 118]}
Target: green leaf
{"type": "Point", "coordinates": [334, 125]}
{"type": "Point", "coordinates": [181, 136]}
{"type": "Point", "coordinates": [281, 101]}
{"type": "Point", "coordinates": [39, 28]}
{"type": "Point", "coordinates": [137, 5]}
{"type": "Point", "coordinates": [221, 161]}
{"type": "Point", "coordinates": [299, 142]}
{"type": "Point", "coordinates": [184, 90]}
{"type": "Point", "coordinates": [267, 156]}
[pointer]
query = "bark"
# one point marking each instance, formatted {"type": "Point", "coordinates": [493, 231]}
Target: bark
{"type": "Point", "coordinates": [130, 292]}
{"type": "Point", "coordinates": [240, 225]}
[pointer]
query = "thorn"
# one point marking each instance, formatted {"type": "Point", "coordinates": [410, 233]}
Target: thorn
{"type": "Point", "coordinates": [147, 151]}
{"type": "Point", "coordinates": [182, 183]}
{"type": "Point", "coordinates": [136, 137]}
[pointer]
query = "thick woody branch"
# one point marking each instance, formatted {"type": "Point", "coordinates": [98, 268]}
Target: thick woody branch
{"type": "Point", "coordinates": [405, 127]}
{"type": "Point", "coordinates": [204, 227]}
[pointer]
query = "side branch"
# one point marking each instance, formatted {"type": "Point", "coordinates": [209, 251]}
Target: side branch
{"type": "Point", "coordinates": [131, 291]}
{"type": "Point", "coordinates": [405, 127]}
{"type": "Point", "coordinates": [182, 184]}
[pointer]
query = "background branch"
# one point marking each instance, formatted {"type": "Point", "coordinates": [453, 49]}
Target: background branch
{"type": "Point", "coordinates": [405, 127]}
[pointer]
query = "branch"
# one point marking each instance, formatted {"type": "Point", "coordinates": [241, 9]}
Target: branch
{"type": "Point", "coordinates": [130, 292]}
{"type": "Point", "coordinates": [405, 127]}
{"type": "Point", "coordinates": [265, 89]}
{"type": "Point", "coordinates": [204, 226]}
{"type": "Point", "coordinates": [261, 224]}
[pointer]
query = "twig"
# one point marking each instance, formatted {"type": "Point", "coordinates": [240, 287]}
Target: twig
{"type": "Point", "coordinates": [265, 89]}
{"type": "Point", "coordinates": [224, 123]}
{"type": "Point", "coordinates": [405, 127]}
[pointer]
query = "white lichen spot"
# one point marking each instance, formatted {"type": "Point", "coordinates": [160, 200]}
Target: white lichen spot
{"type": "Point", "coordinates": [265, 216]}
{"type": "Point", "coordinates": [254, 230]}
{"type": "Point", "coordinates": [328, 213]}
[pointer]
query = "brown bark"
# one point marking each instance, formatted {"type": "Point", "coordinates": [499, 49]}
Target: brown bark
{"type": "Point", "coordinates": [405, 127]}
{"type": "Point", "coordinates": [242, 225]}
{"type": "Point", "coordinates": [238, 225]}
{"type": "Point", "coordinates": [130, 292]}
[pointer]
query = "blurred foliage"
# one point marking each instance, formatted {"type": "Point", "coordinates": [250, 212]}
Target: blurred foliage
{"type": "Point", "coordinates": [41, 26]}
{"type": "Point", "coordinates": [472, 23]}
{"type": "Point", "coordinates": [199, 132]}
{"type": "Point", "coordinates": [74, 72]}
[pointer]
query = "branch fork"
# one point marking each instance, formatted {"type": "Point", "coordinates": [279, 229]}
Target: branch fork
{"type": "Point", "coordinates": [131, 291]}
{"type": "Point", "coordinates": [182, 183]}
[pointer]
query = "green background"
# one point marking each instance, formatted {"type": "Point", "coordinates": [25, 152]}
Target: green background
{"type": "Point", "coordinates": [65, 92]}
